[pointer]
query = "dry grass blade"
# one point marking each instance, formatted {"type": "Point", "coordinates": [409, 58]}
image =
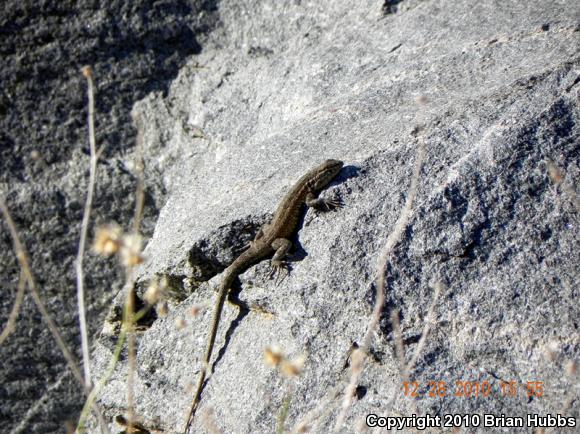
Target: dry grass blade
{"type": "Point", "coordinates": [129, 310]}
{"type": "Point", "coordinates": [283, 413]}
{"type": "Point", "coordinates": [11, 323]}
{"type": "Point", "coordinates": [393, 238]}
{"type": "Point", "coordinates": [110, 369]}
{"type": "Point", "coordinates": [110, 240]}
{"type": "Point", "coordinates": [129, 325]}
{"type": "Point", "coordinates": [27, 273]}
{"type": "Point", "coordinates": [399, 347]}
{"type": "Point", "coordinates": [139, 167]}
{"type": "Point", "coordinates": [426, 328]}
{"type": "Point", "coordinates": [87, 72]}
{"type": "Point", "coordinates": [101, 383]}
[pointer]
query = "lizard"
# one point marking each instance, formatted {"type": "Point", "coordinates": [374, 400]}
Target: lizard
{"type": "Point", "coordinates": [272, 238]}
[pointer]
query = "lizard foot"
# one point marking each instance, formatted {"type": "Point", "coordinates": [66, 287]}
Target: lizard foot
{"type": "Point", "coordinates": [277, 267]}
{"type": "Point", "coordinates": [329, 204]}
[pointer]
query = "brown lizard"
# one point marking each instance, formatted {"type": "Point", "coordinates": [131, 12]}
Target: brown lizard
{"type": "Point", "coordinates": [272, 238]}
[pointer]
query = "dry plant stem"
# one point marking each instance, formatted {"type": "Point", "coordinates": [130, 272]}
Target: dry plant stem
{"type": "Point", "coordinates": [96, 390]}
{"type": "Point", "coordinates": [111, 368]}
{"type": "Point", "coordinates": [129, 311]}
{"type": "Point", "coordinates": [284, 409]}
{"type": "Point", "coordinates": [319, 412]}
{"type": "Point", "coordinates": [129, 325]}
{"type": "Point", "coordinates": [426, 328]}
{"type": "Point", "coordinates": [140, 191]}
{"type": "Point", "coordinates": [11, 323]}
{"type": "Point", "coordinates": [283, 414]}
{"type": "Point", "coordinates": [393, 238]}
{"type": "Point", "coordinates": [400, 353]}
{"type": "Point", "coordinates": [25, 270]}
{"type": "Point", "coordinates": [399, 347]}
{"type": "Point", "coordinates": [85, 227]}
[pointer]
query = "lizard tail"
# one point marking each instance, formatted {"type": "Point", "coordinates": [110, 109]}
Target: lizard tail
{"type": "Point", "coordinates": [238, 266]}
{"type": "Point", "coordinates": [210, 343]}
{"type": "Point", "coordinates": [195, 399]}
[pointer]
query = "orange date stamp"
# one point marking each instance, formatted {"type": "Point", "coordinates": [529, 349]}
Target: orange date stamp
{"type": "Point", "coordinates": [473, 389]}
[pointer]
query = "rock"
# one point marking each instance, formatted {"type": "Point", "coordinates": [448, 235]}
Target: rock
{"type": "Point", "coordinates": [134, 50]}
{"type": "Point", "coordinates": [496, 92]}
{"type": "Point", "coordinates": [275, 90]}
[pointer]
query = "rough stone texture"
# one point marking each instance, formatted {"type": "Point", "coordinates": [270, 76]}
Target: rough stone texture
{"type": "Point", "coordinates": [134, 50]}
{"type": "Point", "coordinates": [283, 88]}
{"type": "Point", "coordinates": [278, 89]}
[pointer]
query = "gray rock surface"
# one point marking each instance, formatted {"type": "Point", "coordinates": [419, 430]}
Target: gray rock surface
{"type": "Point", "coordinates": [134, 49]}
{"type": "Point", "coordinates": [283, 88]}
{"type": "Point", "coordinates": [276, 90]}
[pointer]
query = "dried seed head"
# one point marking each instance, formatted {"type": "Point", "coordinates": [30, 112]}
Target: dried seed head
{"type": "Point", "coordinates": [551, 351]}
{"type": "Point", "coordinates": [131, 250]}
{"type": "Point", "coordinates": [87, 71]}
{"type": "Point", "coordinates": [162, 308]}
{"type": "Point", "coordinates": [273, 356]}
{"type": "Point", "coordinates": [421, 99]}
{"type": "Point", "coordinates": [292, 368]}
{"type": "Point", "coordinates": [156, 291]}
{"type": "Point", "coordinates": [107, 239]}
{"type": "Point", "coordinates": [153, 293]}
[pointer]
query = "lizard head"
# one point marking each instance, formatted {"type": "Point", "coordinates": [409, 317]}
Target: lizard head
{"type": "Point", "coordinates": [326, 173]}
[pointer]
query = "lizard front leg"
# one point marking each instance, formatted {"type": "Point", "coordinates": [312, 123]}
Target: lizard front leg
{"type": "Point", "coordinates": [321, 203]}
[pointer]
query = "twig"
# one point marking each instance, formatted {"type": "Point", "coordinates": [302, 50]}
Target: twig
{"type": "Point", "coordinates": [283, 413]}
{"type": "Point", "coordinates": [399, 347]}
{"type": "Point", "coordinates": [128, 246]}
{"type": "Point", "coordinates": [395, 235]}
{"type": "Point", "coordinates": [25, 269]}
{"type": "Point", "coordinates": [285, 407]}
{"type": "Point", "coordinates": [111, 368]}
{"type": "Point", "coordinates": [426, 328]}
{"type": "Point", "coordinates": [139, 168]}
{"type": "Point", "coordinates": [87, 72]}
{"type": "Point", "coordinates": [96, 390]}
{"type": "Point", "coordinates": [11, 323]}
{"type": "Point", "coordinates": [129, 311]}
{"type": "Point", "coordinates": [128, 324]}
